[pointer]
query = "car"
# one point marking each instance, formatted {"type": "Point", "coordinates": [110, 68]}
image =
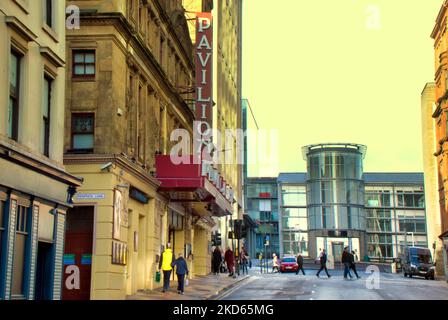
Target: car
{"type": "Point", "coordinates": [417, 261]}
{"type": "Point", "coordinates": [289, 264]}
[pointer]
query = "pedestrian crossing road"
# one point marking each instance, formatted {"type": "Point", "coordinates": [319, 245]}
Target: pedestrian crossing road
{"type": "Point", "coordinates": [373, 286]}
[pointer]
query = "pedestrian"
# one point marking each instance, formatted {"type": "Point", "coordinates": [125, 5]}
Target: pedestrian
{"type": "Point", "coordinates": [353, 264]}
{"type": "Point", "coordinates": [181, 272]}
{"type": "Point", "coordinates": [229, 258]}
{"type": "Point", "coordinates": [166, 260]}
{"type": "Point", "coordinates": [346, 262]}
{"type": "Point", "coordinates": [275, 263]}
{"type": "Point", "coordinates": [323, 263]}
{"type": "Point", "coordinates": [217, 259]}
{"type": "Point", "coordinates": [244, 257]}
{"type": "Point", "coordinates": [300, 264]}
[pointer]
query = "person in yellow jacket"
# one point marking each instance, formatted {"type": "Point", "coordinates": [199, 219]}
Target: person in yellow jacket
{"type": "Point", "coordinates": [165, 263]}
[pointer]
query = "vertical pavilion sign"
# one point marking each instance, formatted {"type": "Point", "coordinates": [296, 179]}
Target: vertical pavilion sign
{"type": "Point", "coordinates": [204, 84]}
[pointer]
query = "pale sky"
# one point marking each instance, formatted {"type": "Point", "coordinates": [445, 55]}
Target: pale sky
{"type": "Point", "coordinates": [338, 71]}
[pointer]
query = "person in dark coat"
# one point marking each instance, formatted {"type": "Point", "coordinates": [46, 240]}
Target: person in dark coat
{"type": "Point", "coordinates": [244, 259]}
{"type": "Point", "coordinates": [181, 271]}
{"type": "Point", "coordinates": [217, 259]}
{"type": "Point", "coordinates": [323, 264]}
{"type": "Point", "coordinates": [229, 258]}
{"type": "Point", "coordinates": [300, 264]}
{"type": "Point", "coordinates": [346, 261]}
{"type": "Point", "coordinates": [353, 264]}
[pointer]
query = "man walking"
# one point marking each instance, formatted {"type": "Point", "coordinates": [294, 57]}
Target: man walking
{"type": "Point", "coordinates": [229, 258]}
{"type": "Point", "coordinates": [323, 263]}
{"type": "Point", "coordinates": [165, 263]}
{"type": "Point", "coordinates": [181, 272]}
{"type": "Point", "coordinates": [244, 259]}
{"type": "Point", "coordinates": [217, 259]}
{"type": "Point", "coordinates": [300, 264]}
{"type": "Point", "coordinates": [346, 262]}
{"type": "Point", "coordinates": [353, 263]}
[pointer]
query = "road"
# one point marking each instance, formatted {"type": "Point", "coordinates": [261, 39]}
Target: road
{"type": "Point", "coordinates": [380, 286]}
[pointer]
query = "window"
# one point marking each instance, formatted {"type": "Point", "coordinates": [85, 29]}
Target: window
{"type": "Point", "coordinates": [411, 199]}
{"type": "Point", "coordinates": [446, 120]}
{"type": "Point", "coordinates": [14, 95]}
{"type": "Point", "coordinates": [417, 226]}
{"type": "Point", "coordinates": [162, 51]}
{"type": "Point", "coordinates": [265, 205]}
{"type": "Point", "coordinates": [84, 63]}
{"type": "Point", "coordinates": [83, 131]}
{"type": "Point", "coordinates": [48, 12]}
{"type": "Point", "coordinates": [20, 250]}
{"type": "Point", "coordinates": [46, 108]}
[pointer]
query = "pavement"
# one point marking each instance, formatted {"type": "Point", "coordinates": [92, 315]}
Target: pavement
{"type": "Point", "coordinates": [200, 288]}
{"type": "Point", "coordinates": [377, 286]}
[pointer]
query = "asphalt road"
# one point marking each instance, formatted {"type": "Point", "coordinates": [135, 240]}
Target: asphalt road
{"type": "Point", "coordinates": [379, 286]}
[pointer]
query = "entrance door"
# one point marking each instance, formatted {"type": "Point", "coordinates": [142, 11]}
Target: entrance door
{"type": "Point", "coordinates": [338, 248]}
{"type": "Point", "coordinates": [78, 254]}
{"type": "Point", "coordinates": [43, 271]}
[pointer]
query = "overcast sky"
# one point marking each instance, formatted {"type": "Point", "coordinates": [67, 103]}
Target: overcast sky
{"type": "Point", "coordinates": [338, 71]}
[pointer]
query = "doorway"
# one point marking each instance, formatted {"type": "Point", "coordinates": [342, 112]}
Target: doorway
{"type": "Point", "coordinates": [43, 271]}
{"type": "Point", "coordinates": [78, 253]}
{"type": "Point", "coordinates": [338, 248]}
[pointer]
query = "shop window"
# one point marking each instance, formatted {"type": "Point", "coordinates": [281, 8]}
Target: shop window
{"type": "Point", "coordinates": [83, 126]}
{"type": "Point", "coordinates": [20, 245]}
{"type": "Point", "coordinates": [83, 63]}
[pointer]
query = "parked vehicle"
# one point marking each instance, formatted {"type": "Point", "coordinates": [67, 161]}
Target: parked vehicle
{"type": "Point", "coordinates": [417, 261]}
{"type": "Point", "coordinates": [289, 264]}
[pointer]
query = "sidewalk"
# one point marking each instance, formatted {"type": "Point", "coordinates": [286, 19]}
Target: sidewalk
{"type": "Point", "coordinates": [200, 288]}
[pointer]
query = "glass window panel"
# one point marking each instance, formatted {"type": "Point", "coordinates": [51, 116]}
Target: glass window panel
{"type": "Point", "coordinates": [265, 205]}
{"type": "Point", "coordinates": [83, 124]}
{"type": "Point", "coordinates": [13, 76]}
{"type": "Point", "coordinates": [45, 96]}
{"type": "Point", "coordinates": [10, 117]}
{"type": "Point", "coordinates": [83, 141]}
{"type": "Point", "coordinates": [90, 69]}
{"type": "Point", "coordinates": [90, 58]}
{"type": "Point", "coordinates": [79, 57]}
{"type": "Point", "coordinates": [409, 200]}
{"type": "Point", "coordinates": [79, 69]}
{"type": "Point", "coordinates": [420, 226]}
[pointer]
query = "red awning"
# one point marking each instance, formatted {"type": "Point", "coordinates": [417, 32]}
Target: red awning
{"type": "Point", "coordinates": [184, 182]}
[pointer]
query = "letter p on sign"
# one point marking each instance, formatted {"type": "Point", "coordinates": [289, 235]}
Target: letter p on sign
{"type": "Point", "coordinates": [204, 26]}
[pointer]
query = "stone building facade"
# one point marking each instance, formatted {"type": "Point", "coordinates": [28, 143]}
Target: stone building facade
{"type": "Point", "coordinates": [35, 188]}
{"type": "Point", "coordinates": [440, 115]}
{"type": "Point", "coordinates": [129, 86]}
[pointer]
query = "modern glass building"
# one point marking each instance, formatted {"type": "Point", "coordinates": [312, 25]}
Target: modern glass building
{"type": "Point", "coordinates": [335, 204]}
{"type": "Point", "coordinates": [395, 212]}
{"type": "Point", "coordinates": [262, 207]}
{"type": "Point", "coordinates": [335, 197]}
{"type": "Point", "coordinates": [293, 212]}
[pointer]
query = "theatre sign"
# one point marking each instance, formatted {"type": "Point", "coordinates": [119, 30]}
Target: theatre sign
{"type": "Point", "coordinates": [204, 86]}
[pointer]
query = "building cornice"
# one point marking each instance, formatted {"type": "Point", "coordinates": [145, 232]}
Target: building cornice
{"type": "Point", "coordinates": [15, 154]}
{"type": "Point", "coordinates": [439, 19]}
{"type": "Point", "coordinates": [118, 160]}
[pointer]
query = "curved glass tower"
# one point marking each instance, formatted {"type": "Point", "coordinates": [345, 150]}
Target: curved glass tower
{"type": "Point", "coordinates": [335, 197]}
